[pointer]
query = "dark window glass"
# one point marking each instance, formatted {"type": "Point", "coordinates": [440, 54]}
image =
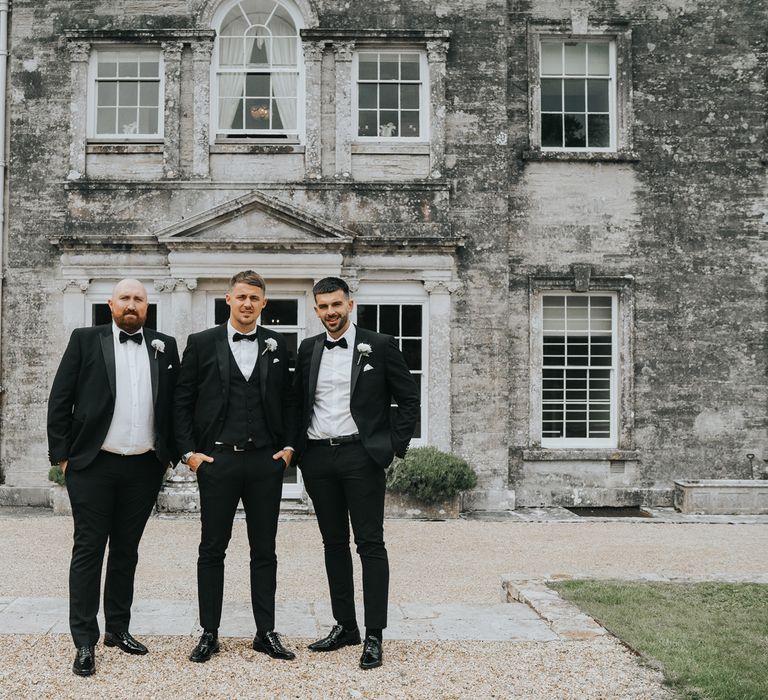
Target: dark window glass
{"type": "Point", "coordinates": [101, 314]}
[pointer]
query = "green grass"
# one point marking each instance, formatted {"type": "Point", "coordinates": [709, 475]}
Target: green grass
{"type": "Point", "coordinates": [711, 639]}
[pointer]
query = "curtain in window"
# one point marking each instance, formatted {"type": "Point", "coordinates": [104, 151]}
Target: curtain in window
{"type": "Point", "coordinates": [284, 84]}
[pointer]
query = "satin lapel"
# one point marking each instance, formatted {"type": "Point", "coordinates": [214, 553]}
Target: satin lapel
{"type": "Point", "coordinates": [356, 366]}
{"type": "Point", "coordinates": [108, 350]}
{"type": "Point", "coordinates": [153, 365]}
{"type": "Point", "coordinates": [314, 368]}
{"type": "Point", "coordinates": [222, 358]}
{"type": "Point", "coordinates": [262, 362]}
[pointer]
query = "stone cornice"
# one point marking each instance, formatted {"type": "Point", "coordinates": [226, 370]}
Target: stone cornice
{"type": "Point", "coordinates": [375, 36]}
{"type": "Point", "coordinates": [140, 35]}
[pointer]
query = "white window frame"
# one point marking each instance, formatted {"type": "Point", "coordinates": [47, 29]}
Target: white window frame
{"type": "Point", "coordinates": [101, 290]}
{"type": "Point", "coordinates": [93, 94]}
{"type": "Point", "coordinates": [538, 340]}
{"type": "Point", "coordinates": [612, 99]}
{"type": "Point", "coordinates": [258, 135]}
{"type": "Point", "coordinates": [424, 97]}
{"type": "Point", "coordinates": [383, 294]}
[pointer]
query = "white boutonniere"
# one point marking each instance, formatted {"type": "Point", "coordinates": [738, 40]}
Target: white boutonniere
{"type": "Point", "coordinates": [158, 345]}
{"type": "Point", "coordinates": [364, 350]}
{"type": "Point", "coordinates": [271, 344]}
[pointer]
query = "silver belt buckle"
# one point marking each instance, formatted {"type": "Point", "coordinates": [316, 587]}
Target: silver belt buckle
{"type": "Point", "coordinates": [332, 442]}
{"type": "Point", "coordinates": [238, 449]}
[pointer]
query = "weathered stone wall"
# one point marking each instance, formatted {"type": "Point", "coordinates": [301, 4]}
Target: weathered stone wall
{"type": "Point", "coordinates": [685, 216]}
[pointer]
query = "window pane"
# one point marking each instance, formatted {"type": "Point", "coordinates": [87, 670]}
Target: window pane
{"type": "Point", "coordinates": [597, 95]}
{"type": "Point", "coordinates": [552, 130]}
{"type": "Point", "coordinates": [107, 65]}
{"type": "Point", "coordinates": [575, 58]}
{"type": "Point", "coordinates": [128, 94]}
{"type": "Point", "coordinates": [127, 121]}
{"type": "Point", "coordinates": [388, 97]}
{"type": "Point", "coordinates": [412, 319]}
{"type": "Point", "coordinates": [389, 319]}
{"type": "Point", "coordinates": [368, 66]}
{"type": "Point", "coordinates": [599, 130]}
{"type": "Point", "coordinates": [409, 97]}
{"type": "Point", "coordinates": [231, 52]}
{"type": "Point", "coordinates": [574, 95]}
{"type": "Point", "coordinates": [367, 124]}
{"type": "Point", "coordinates": [283, 312]}
{"type": "Point", "coordinates": [148, 120]}
{"type": "Point", "coordinates": [409, 66]}
{"type": "Point", "coordinates": [551, 95]}
{"type": "Point", "coordinates": [551, 58]}
{"type": "Point", "coordinates": [106, 94]}
{"type": "Point", "coordinates": [149, 68]}
{"type": "Point", "coordinates": [575, 132]}
{"type": "Point", "coordinates": [409, 123]}
{"type": "Point", "coordinates": [231, 85]}
{"type": "Point", "coordinates": [284, 52]}
{"type": "Point", "coordinates": [388, 124]}
{"type": "Point", "coordinates": [230, 113]}
{"type": "Point", "coordinates": [257, 49]}
{"type": "Point", "coordinates": [149, 94]}
{"type": "Point", "coordinates": [367, 95]}
{"type": "Point", "coordinates": [234, 23]}
{"type": "Point", "coordinates": [257, 85]}
{"type": "Point", "coordinates": [257, 113]}
{"type": "Point", "coordinates": [284, 85]}
{"type": "Point", "coordinates": [128, 68]}
{"type": "Point", "coordinates": [598, 59]}
{"type": "Point", "coordinates": [105, 120]}
{"type": "Point", "coordinates": [285, 114]}
{"type": "Point", "coordinates": [389, 64]}
{"type": "Point", "coordinates": [366, 316]}
{"type": "Point", "coordinates": [412, 353]}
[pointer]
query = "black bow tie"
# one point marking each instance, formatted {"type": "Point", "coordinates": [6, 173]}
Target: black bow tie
{"type": "Point", "coordinates": [340, 343]}
{"type": "Point", "coordinates": [237, 337]}
{"type": "Point", "coordinates": [135, 337]}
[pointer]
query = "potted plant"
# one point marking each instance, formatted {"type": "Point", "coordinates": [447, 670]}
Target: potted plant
{"type": "Point", "coordinates": [59, 495]}
{"type": "Point", "coordinates": [428, 483]}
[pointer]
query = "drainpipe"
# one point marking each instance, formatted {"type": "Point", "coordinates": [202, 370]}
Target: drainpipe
{"type": "Point", "coordinates": [3, 151]}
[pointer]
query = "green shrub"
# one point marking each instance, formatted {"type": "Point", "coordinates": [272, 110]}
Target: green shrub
{"type": "Point", "coordinates": [56, 475]}
{"type": "Point", "coordinates": [430, 475]}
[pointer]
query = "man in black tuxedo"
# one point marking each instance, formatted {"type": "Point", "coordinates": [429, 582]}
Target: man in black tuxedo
{"type": "Point", "coordinates": [344, 382]}
{"type": "Point", "coordinates": [109, 429]}
{"type": "Point", "coordinates": [232, 422]}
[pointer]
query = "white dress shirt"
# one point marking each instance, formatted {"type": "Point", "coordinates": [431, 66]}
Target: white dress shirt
{"type": "Point", "coordinates": [245, 352]}
{"type": "Point", "coordinates": [332, 416]}
{"type": "Point", "coordinates": [132, 431]}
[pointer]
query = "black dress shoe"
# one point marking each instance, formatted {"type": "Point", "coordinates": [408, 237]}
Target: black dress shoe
{"type": "Point", "coordinates": [338, 637]}
{"type": "Point", "coordinates": [206, 647]}
{"type": "Point", "coordinates": [125, 642]}
{"type": "Point", "coordinates": [85, 661]}
{"type": "Point", "coordinates": [270, 644]}
{"type": "Point", "coordinates": [372, 653]}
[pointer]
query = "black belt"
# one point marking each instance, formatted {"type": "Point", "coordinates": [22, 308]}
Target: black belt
{"type": "Point", "coordinates": [248, 447]}
{"type": "Point", "coordinates": [340, 440]}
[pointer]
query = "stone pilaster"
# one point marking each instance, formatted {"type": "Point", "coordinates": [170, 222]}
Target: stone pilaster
{"type": "Point", "coordinates": [313, 61]}
{"type": "Point", "coordinates": [172, 119]}
{"type": "Point", "coordinates": [201, 109]}
{"type": "Point", "coordinates": [79, 54]}
{"type": "Point", "coordinates": [437, 52]}
{"type": "Point", "coordinates": [74, 307]}
{"type": "Point", "coordinates": [343, 57]}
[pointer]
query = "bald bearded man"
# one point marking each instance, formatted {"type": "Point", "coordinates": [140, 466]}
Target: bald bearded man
{"type": "Point", "coordinates": [110, 430]}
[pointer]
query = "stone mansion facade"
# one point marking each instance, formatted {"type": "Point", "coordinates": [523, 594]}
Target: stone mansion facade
{"type": "Point", "coordinates": [559, 209]}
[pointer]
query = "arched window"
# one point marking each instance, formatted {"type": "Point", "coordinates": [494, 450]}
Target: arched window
{"type": "Point", "coordinates": [258, 70]}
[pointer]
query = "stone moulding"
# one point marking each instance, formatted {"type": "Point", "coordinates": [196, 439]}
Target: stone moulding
{"type": "Point", "coordinates": [722, 496]}
{"type": "Point", "coordinates": [399, 505]}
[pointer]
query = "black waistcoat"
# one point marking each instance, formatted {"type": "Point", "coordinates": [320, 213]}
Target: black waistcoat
{"type": "Point", "coordinates": [244, 419]}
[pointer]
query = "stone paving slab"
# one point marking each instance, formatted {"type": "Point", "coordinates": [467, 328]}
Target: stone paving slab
{"type": "Point", "coordinates": [407, 621]}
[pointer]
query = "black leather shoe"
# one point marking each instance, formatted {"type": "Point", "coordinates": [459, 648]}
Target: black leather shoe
{"type": "Point", "coordinates": [338, 637]}
{"type": "Point", "coordinates": [372, 653]}
{"type": "Point", "coordinates": [270, 644]}
{"type": "Point", "coordinates": [206, 647]}
{"type": "Point", "coordinates": [85, 661]}
{"type": "Point", "coordinates": [125, 642]}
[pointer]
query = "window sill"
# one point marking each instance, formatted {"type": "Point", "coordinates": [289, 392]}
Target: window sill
{"type": "Point", "coordinates": [570, 454]}
{"type": "Point", "coordinates": [399, 148]}
{"type": "Point", "coordinates": [538, 156]}
{"type": "Point", "coordinates": [256, 148]}
{"type": "Point", "coordinates": [113, 147]}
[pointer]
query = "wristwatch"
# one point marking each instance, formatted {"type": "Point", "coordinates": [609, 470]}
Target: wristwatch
{"type": "Point", "coordinates": [186, 456]}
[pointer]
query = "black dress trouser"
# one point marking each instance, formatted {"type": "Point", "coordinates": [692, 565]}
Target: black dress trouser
{"type": "Point", "coordinates": [257, 479]}
{"type": "Point", "coordinates": [345, 484]}
{"type": "Point", "coordinates": [112, 499]}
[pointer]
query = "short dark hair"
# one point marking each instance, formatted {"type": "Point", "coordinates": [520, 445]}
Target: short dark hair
{"type": "Point", "coordinates": [249, 277]}
{"type": "Point", "coordinates": [327, 285]}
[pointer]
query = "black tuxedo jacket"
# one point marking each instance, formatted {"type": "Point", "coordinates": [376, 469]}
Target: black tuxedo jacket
{"type": "Point", "coordinates": [82, 398]}
{"type": "Point", "coordinates": [202, 392]}
{"type": "Point", "coordinates": [375, 380]}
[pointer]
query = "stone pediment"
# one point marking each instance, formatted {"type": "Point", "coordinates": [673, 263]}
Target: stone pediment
{"type": "Point", "coordinates": [254, 219]}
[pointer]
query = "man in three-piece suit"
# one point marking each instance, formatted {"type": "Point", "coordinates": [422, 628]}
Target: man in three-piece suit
{"type": "Point", "coordinates": [110, 430]}
{"type": "Point", "coordinates": [344, 384]}
{"type": "Point", "coordinates": [233, 419]}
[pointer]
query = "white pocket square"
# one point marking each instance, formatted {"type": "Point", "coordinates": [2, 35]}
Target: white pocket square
{"type": "Point", "coordinates": [170, 366]}
{"type": "Point", "coordinates": [276, 360]}
{"type": "Point", "coordinates": [367, 367]}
